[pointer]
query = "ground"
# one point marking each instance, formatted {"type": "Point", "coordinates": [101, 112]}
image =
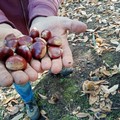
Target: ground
{"type": "Point", "coordinates": [59, 95]}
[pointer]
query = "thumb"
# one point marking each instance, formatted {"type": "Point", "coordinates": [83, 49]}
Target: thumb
{"type": "Point", "coordinates": [74, 26]}
{"type": "Point", "coordinates": [7, 29]}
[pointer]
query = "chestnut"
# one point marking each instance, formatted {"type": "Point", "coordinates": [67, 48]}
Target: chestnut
{"type": "Point", "coordinates": [46, 34]}
{"type": "Point", "coordinates": [25, 52]}
{"type": "Point", "coordinates": [16, 62]}
{"type": "Point", "coordinates": [10, 37]}
{"type": "Point", "coordinates": [13, 43]}
{"type": "Point", "coordinates": [55, 41]}
{"type": "Point", "coordinates": [34, 33]}
{"type": "Point", "coordinates": [25, 40]}
{"type": "Point", "coordinates": [38, 50]}
{"type": "Point", "coordinates": [5, 52]}
{"type": "Point", "coordinates": [54, 52]}
{"type": "Point", "coordinates": [39, 39]}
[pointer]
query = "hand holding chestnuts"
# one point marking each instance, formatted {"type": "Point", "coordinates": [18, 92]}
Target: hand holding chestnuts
{"type": "Point", "coordinates": [16, 52]}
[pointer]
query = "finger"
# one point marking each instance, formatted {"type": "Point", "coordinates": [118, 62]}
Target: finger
{"type": "Point", "coordinates": [73, 25]}
{"type": "Point", "coordinates": [46, 63]}
{"type": "Point", "coordinates": [20, 77]}
{"type": "Point", "coordinates": [33, 75]}
{"type": "Point", "coordinates": [5, 77]}
{"type": "Point", "coordinates": [36, 65]}
{"type": "Point", "coordinates": [67, 54]}
{"type": "Point", "coordinates": [56, 66]}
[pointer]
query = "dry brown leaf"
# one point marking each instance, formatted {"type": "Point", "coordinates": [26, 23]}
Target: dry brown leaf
{"type": "Point", "coordinates": [43, 112]}
{"type": "Point", "coordinates": [54, 99]}
{"type": "Point", "coordinates": [104, 89]}
{"type": "Point", "coordinates": [102, 104]}
{"type": "Point", "coordinates": [113, 88]}
{"type": "Point", "coordinates": [88, 86]}
{"type": "Point", "coordinates": [99, 40]}
{"type": "Point", "coordinates": [83, 13]}
{"type": "Point", "coordinates": [92, 1]}
{"type": "Point", "coordinates": [106, 109]}
{"type": "Point", "coordinates": [106, 72]}
{"type": "Point", "coordinates": [12, 110]}
{"type": "Point", "coordinates": [82, 115]}
{"type": "Point", "coordinates": [113, 41]}
{"type": "Point", "coordinates": [93, 99]}
{"type": "Point", "coordinates": [99, 82]}
{"type": "Point", "coordinates": [42, 96]}
{"type": "Point", "coordinates": [118, 48]}
{"type": "Point", "coordinates": [85, 39]}
{"type": "Point", "coordinates": [95, 109]}
{"type": "Point", "coordinates": [76, 111]}
{"type": "Point", "coordinates": [8, 99]}
{"type": "Point", "coordinates": [18, 117]}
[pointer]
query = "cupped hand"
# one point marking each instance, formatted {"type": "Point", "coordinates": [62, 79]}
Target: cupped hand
{"type": "Point", "coordinates": [8, 77]}
{"type": "Point", "coordinates": [59, 26]}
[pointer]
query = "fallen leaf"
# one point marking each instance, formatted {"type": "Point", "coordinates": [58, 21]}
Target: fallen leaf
{"type": "Point", "coordinates": [99, 82]}
{"type": "Point", "coordinates": [82, 115]}
{"type": "Point", "coordinates": [54, 99]}
{"type": "Point", "coordinates": [8, 99]}
{"type": "Point", "coordinates": [95, 109]}
{"type": "Point", "coordinates": [118, 48]}
{"type": "Point", "coordinates": [113, 88]}
{"type": "Point", "coordinates": [104, 88]}
{"type": "Point", "coordinates": [18, 117]}
{"type": "Point", "coordinates": [114, 42]}
{"type": "Point", "coordinates": [42, 96]}
{"type": "Point", "coordinates": [93, 99]}
{"type": "Point", "coordinates": [99, 40]}
{"type": "Point", "coordinates": [43, 112]}
{"type": "Point", "coordinates": [12, 110]}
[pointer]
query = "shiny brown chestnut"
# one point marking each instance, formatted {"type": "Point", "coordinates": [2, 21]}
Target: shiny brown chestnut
{"type": "Point", "coordinates": [11, 43]}
{"type": "Point", "coordinates": [39, 39]}
{"type": "Point", "coordinates": [25, 52]}
{"type": "Point", "coordinates": [38, 50]}
{"type": "Point", "coordinates": [10, 37]}
{"type": "Point", "coordinates": [34, 33]}
{"type": "Point", "coordinates": [25, 40]}
{"type": "Point", "coordinates": [55, 52]}
{"type": "Point", "coordinates": [55, 41]}
{"type": "Point", "coordinates": [5, 52]}
{"type": "Point", "coordinates": [16, 62]}
{"type": "Point", "coordinates": [46, 34]}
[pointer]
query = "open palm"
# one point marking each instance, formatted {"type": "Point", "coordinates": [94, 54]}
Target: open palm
{"type": "Point", "coordinates": [59, 26]}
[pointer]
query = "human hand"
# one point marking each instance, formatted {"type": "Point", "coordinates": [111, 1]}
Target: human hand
{"type": "Point", "coordinates": [8, 77]}
{"type": "Point", "coordinates": [58, 27]}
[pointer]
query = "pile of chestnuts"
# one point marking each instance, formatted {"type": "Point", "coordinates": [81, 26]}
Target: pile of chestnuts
{"type": "Point", "coordinates": [17, 52]}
